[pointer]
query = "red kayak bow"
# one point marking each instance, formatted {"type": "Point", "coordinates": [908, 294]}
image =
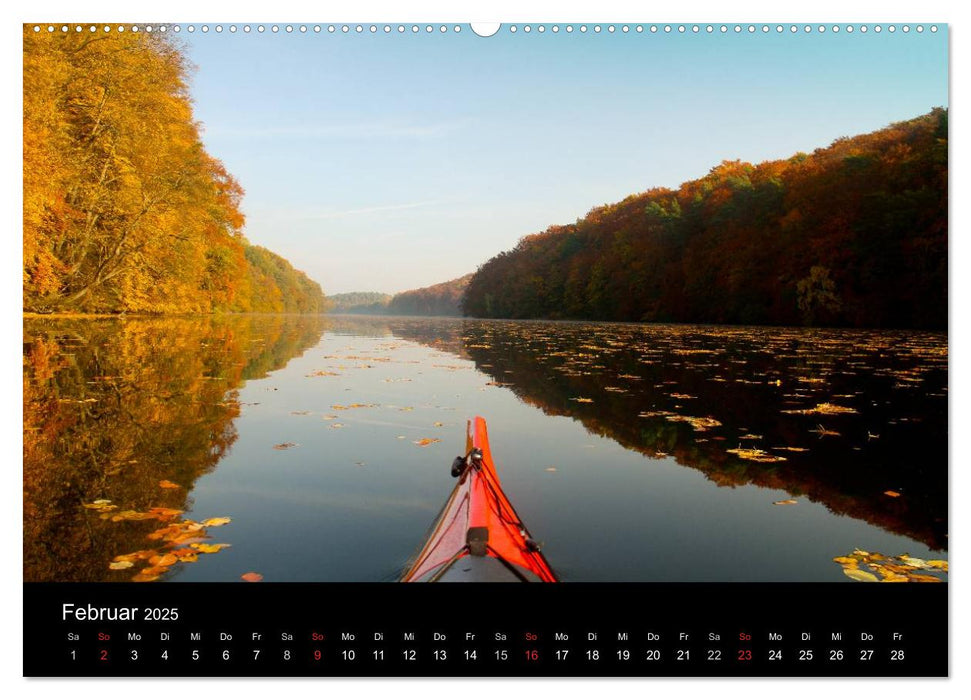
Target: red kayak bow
{"type": "Point", "coordinates": [478, 536]}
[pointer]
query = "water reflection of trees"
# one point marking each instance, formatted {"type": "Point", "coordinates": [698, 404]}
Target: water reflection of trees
{"type": "Point", "coordinates": [114, 406]}
{"type": "Point", "coordinates": [745, 378]}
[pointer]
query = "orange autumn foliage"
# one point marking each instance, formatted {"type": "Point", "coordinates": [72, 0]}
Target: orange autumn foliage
{"type": "Point", "coordinates": [124, 210]}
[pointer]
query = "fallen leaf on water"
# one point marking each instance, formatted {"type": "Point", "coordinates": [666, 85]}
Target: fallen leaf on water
{"type": "Point", "coordinates": [787, 502]}
{"type": "Point", "coordinates": [163, 560]}
{"type": "Point", "coordinates": [424, 442]}
{"type": "Point", "coordinates": [699, 424]}
{"type": "Point", "coordinates": [300, 413]}
{"type": "Point", "coordinates": [186, 554]}
{"type": "Point", "coordinates": [826, 409]}
{"type": "Point", "coordinates": [551, 469]}
{"type": "Point", "coordinates": [123, 564]}
{"type": "Point", "coordinates": [937, 564]}
{"type": "Point", "coordinates": [322, 373]}
{"type": "Point", "coordinates": [166, 484]}
{"type": "Point", "coordinates": [847, 561]}
{"type": "Point", "coordinates": [165, 513]}
{"type": "Point", "coordinates": [858, 575]}
{"type": "Point", "coordinates": [101, 505]}
{"type": "Point", "coordinates": [142, 554]}
{"type": "Point", "coordinates": [923, 578]}
{"type": "Point", "coordinates": [252, 577]}
{"type": "Point", "coordinates": [209, 548]}
{"type": "Point", "coordinates": [132, 515]}
{"type": "Point", "coordinates": [580, 399]}
{"type": "Point", "coordinates": [216, 522]}
{"type": "Point", "coordinates": [141, 578]}
{"type": "Point", "coordinates": [337, 425]}
{"type": "Point", "coordinates": [912, 561]}
{"type": "Point", "coordinates": [284, 445]}
{"type": "Point", "coordinates": [438, 424]}
{"type": "Point", "coordinates": [153, 570]}
{"type": "Point", "coordinates": [756, 455]}
{"type": "Point", "coordinates": [892, 494]}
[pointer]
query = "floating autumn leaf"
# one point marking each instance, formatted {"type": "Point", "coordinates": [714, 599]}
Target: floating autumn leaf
{"type": "Point", "coordinates": [699, 424]}
{"type": "Point", "coordinates": [132, 515]}
{"type": "Point", "coordinates": [142, 577]}
{"type": "Point", "coordinates": [165, 560]}
{"type": "Point", "coordinates": [550, 469]}
{"type": "Point", "coordinates": [912, 561]}
{"type": "Point", "coordinates": [336, 425]}
{"type": "Point", "coordinates": [186, 555]}
{"type": "Point", "coordinates": [322, 373]}
{"type": "Point", "coordinates": [166, 484]}
{"type": "Point", "coordinates": [438, 424]}
{"type": "Point", "coordinates": [892, 494]}
{"type": "Point", "coordinates": [581, 399]}
{"type": "Point", "coordinates": [134, 556]}
{"type": "Point", "coordinates": [824, 432]}
{"type": "Point", "coordinates": [252, 577]}
{"type": "Point", "coordinates": [300, 413]}
{"type": "Point", "coordinates": [787, 502]}
{"type": "Point", "coordinates": [847, 561]}
{"type": "Point", "coordinates": [860, 575]}
{"type": "Point", "coordinates": [209, 548]}
{"type": "Point", "coordinates": [284, 445]}
{"type": "Point", "coordinates": [826, 409]}
{"type": "Point", "coordinates": [101, 505]}
{"type": "Point", "coordinates": [153, 570]}
{"type": "Point", "coordinates": [923, 578]}
{"type": "Point", "coordinates": [165, 513]}
{"type": "Point", "coordinates": [216, 522]}
{"type": "Point", "coordinates": [425, 442]}
{"type": "Point", "coordinates": [756, 455]}
{"type": "Point", "coordinates": [119, 565]}
{"type": "Point", "coordinates": [937, 564]}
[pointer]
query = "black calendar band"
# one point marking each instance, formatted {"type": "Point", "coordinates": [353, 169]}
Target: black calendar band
{"type": "Point", "coordinates": [575, 629]}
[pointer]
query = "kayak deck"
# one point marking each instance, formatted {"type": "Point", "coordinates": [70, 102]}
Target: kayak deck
{"type": "Point", "coordinates": [478, 537]}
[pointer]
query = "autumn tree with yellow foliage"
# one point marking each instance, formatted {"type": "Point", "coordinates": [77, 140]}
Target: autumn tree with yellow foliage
{"type": "Point", "coordinates": [124, 210]}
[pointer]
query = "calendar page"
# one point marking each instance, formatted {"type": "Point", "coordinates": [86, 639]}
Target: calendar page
{"type": "Point", "coordinates": [652, 316]}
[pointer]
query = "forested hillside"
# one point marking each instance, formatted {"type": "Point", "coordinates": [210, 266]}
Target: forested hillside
{"type": "Point", "coordinates": [359, 303]}
{"type": "Point", "coordinates": [444, 299]}
{"type": "Point", "coordinates": [854, 234]}
{"type": "Point", "coordinates": [124, 211]}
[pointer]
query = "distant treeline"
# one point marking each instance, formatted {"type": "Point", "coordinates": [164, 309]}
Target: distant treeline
{"type": "Point", "coordinates": [854, 234]}
{"type": "Point", "coordinates": [359, 303]}
{"type": "Point", "coordinates": [443, 299]}
{"type": "Point", "coordinates": [124, 211]}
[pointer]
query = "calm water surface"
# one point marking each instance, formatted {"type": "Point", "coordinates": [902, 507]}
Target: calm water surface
{"type": "Point", "coordinates": [634, 452]}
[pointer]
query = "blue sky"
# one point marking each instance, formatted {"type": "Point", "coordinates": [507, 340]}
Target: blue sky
{"type": "Point", "coordinates": [392, 161]}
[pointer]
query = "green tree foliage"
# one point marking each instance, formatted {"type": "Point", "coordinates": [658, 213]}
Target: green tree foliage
{"type": "Point", "coordinates": [123, 208]}
{"type": "Point", "coordinates": [854, 234]}
{"type": "Point", "coordinates": [443, 299]}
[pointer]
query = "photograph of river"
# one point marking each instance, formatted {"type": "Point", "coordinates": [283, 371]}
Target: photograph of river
{"type": "Point", "coordinates": [637, 452]}
{"type": "Point", "coordinates": [279, 278]}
